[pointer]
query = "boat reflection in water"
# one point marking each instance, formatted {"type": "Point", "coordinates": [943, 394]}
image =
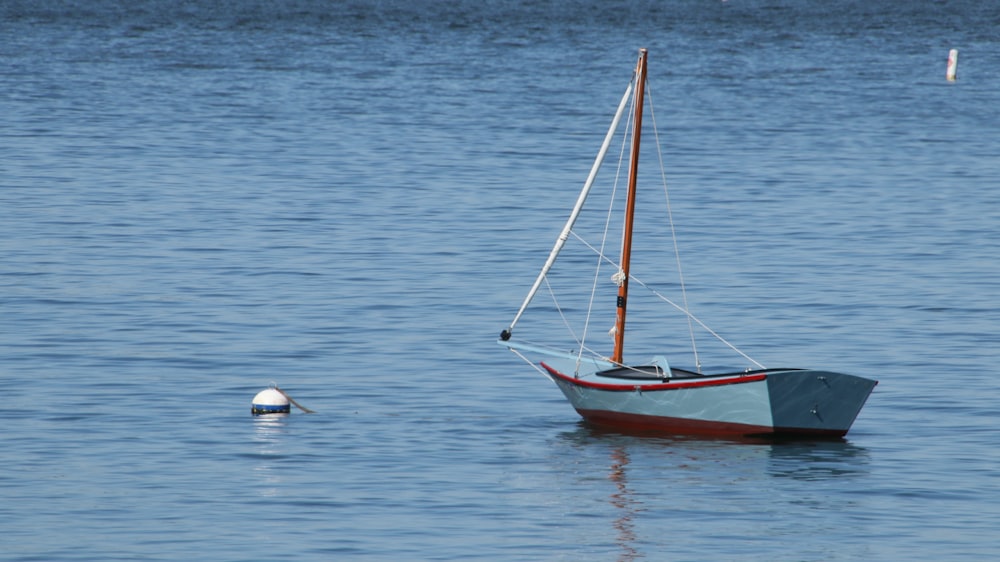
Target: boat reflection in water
{"type": "Point", "coordinates": [625, 503]}
{"type": "Point", "coordinates": [663, 482]}
{"type": "Point", "coordinates": [817, 460]}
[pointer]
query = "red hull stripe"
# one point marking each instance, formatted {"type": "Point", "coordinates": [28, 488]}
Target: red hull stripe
{"type": "Point", "coordinates": [658, 386]}
{"type": "Point", "coordinates": [623, 420]}
{"type": "Point", "coordinates": [674, 425]}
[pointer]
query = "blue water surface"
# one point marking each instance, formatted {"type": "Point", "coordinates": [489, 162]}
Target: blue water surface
{"type": "Point", "coordinates": [350, 199]}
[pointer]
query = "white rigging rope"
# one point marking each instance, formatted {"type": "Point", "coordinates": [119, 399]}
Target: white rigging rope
{"type": "Point", "coordinates": [673, 232]}
{"type": "Point", "coordinates": [680, 308]}
{"type": "Point", "coordinates": [569, 327]}
{"type": "Point", "coordinates": [607, 222]}
{"type": "Point", "coordinates": [534, 365]}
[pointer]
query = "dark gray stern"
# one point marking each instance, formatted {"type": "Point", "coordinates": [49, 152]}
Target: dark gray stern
{"type": "Point", "coordinates": [822, 402]}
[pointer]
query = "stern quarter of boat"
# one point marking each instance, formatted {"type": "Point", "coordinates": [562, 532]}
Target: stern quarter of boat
{"type": "Point", "coordinates": [816, 402]}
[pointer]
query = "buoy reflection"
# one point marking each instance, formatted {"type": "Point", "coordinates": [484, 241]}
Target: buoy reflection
{"type": "Point", "coordinates": [268, 427]}
{"type": "Point", "coordinates": [269, 430]}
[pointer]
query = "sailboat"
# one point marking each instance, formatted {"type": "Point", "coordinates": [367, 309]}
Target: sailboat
{"type": "Point", "coordinates": [610, 392]}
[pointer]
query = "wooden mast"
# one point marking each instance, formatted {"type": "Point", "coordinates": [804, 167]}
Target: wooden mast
{"type": "Point", "coordinates": [640, 90]}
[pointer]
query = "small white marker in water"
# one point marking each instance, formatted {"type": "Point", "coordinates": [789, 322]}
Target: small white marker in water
{"type": "Point", "coordinates": [952, 64]}
{"type": "Point", "coordinates": [270, 401]}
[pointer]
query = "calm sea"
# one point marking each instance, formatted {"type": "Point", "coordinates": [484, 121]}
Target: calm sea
{"type": "Point", "coordinates": [349, 199]}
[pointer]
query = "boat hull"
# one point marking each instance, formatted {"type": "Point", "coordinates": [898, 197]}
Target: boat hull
{"type": "Point", "coordinates": [771, 402]}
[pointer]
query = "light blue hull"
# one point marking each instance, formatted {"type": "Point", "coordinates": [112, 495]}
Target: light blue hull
{"type": "Point", "coordinates": [782, 401]}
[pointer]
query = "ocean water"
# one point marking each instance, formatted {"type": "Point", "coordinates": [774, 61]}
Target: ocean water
{"type": "Point", "coordinates": [350, 199]}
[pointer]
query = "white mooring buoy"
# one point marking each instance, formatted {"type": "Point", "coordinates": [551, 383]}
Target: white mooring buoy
{"type": "Point", "coordinates": [952, 65]}
{"type": "Point", "coordinates": [270, 401]}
